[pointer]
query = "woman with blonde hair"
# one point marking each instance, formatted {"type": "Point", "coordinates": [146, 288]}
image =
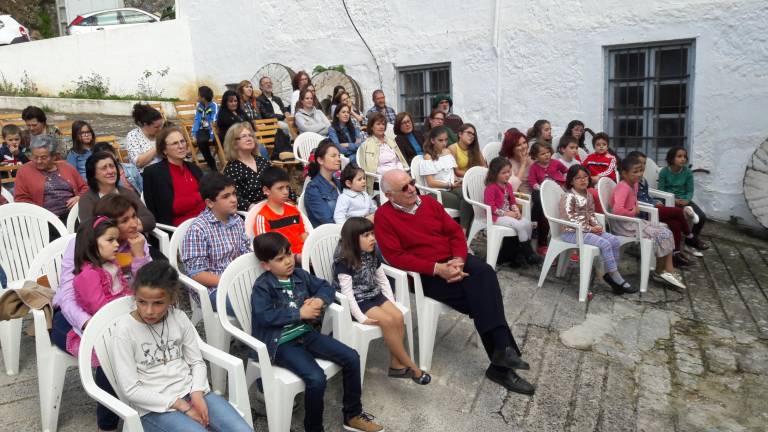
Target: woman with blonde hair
{"type": "Point", "coordinates": [246, 165]}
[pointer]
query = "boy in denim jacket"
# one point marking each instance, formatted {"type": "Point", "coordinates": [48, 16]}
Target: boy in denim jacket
{"type": "Point", "coordinates": [284, 303]}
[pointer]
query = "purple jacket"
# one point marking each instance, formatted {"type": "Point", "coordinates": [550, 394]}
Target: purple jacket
{"type": "Point", "coordinates": [65, 299]}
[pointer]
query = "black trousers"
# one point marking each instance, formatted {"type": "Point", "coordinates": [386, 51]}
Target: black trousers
{"type": "Point", "coordinates": [204, 144]}
{"type": "Point", "coordinates": [696, 230]}
{"type": "Point", "coordinates": [477, 295]}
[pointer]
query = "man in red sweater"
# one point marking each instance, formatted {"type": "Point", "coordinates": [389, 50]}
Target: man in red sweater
{"type": "Point", "coordinates": [416, 234]}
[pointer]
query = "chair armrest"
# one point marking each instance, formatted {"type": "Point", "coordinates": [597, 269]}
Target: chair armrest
{"type": "Point", "coordinates": [652, 211]}
{"type": "Point", "coordinates": [525, 207]}
{"type": "Point", "coordinates": [483, 206]}
{"type": "Point", "coordinates": [344, 320]}
{"type": "Point", "coordinates": [432, 191]}
{"type": "Point", "coordinates": [402, 295]}
{"type": "Point", "coordinates": [203, 297]}
{"type": "Point", "coordinates": [262, 355]}
{"type": "Point", "coordinates": [167, 228]}
{"type": "Point", "coordinates": [523, 196]}
{"type": "Point", "coordinates": [236, 383]}
{"type": "Point", "coordinates": [244, 214]}
{"type": "Point", "coordinates": [164, 241]}
{"type": "Point", "coordinates": [668, 197]}
{"type": "Point", "coordinates": [335, 313]}
{"type": "Point", "coordinates": [600, 218]}
{"type": "Point", "coordinates": [633, 220]}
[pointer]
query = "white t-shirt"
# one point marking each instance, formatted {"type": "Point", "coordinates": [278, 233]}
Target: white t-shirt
{"type": "Point", "coordinates": [440, 170]}
{"type": "Point", "coordinates": [137, 143]}
{"type": "Point", "coordinates": [154, 369]}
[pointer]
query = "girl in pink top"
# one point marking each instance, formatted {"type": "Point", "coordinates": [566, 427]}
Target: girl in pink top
{"type": "Point", "coordinates": [624, 203]}
{"type": "Point", "coordinates": [545, 167]}
{"type": "Point", "coordinates": [99, 278]}
{"type": "Point", "coordinates": [500, 195]}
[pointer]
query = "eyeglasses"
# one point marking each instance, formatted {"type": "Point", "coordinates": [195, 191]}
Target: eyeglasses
{"type": "Point", "coordinates": [86, 133]}
{"type": "Point", "coordinates": [180, 143]}
{"type": "Point", "coordinates": [244, 136]}
{"type": "Point", "coordinates": [469, 132]}
{"type": "Point", "coordinates": [406, 187]}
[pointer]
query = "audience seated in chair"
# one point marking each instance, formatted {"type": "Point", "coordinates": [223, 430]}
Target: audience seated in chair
{"type": "Point", "coordinates": [70, 313]}
{"type": "Point", "coordinates": [83, 139]}
{"type": "Point", "coordinates": [308, 117]}
{"type": "Point", "coordinates": [323, 190]}
{"type": "Point", "coordinates": [128, 171]}
{"type": "Point", "coordinates": [140, 141]}
{"type": "Point", "coordinates": [380, 107]}
{"type": "Point", "coordinates": [444, 103]}
{"type": "Point", "coordinates": [37, 125]}
{"type": "Point", "coordinates": [104, 179]}
{"type": "Point", "coordinates": [248, 102]}
{"type": "Point", "coordinates": [354, 201]}
{"type": "Point", "coordinates": [515, 148]}
{"type": "Point", "coordinates": [540, 132]}
{"type": "Point", "coordinates": [52, 184]}
{"type": "Point", "coordinates": [568, 151]}
{"type": "Point", "coordinates": [408, 139]}
{"type": "Point", "coordinates": [343, 98]}
{"type": "Point", "coordinates": [206, 113]}
{"type": "Point", "coordinates": [285, 302]}
{"type": "Point", "coordinates": [437, 119]}
{"type": "Point", "coordinates": [216, 237]}
{"type": "Point", "coordinates": [271, 106]}
{"type": "Point", "coordinates": [416, 234]}
{"type": "Point", "coordinates": [601, 163]}
{"type": "Point", "coordinates": [576, 130]}
{"type": "Point", "coordinates": [677, 178]}
{"type": "Point", "coordinates": [466, 151]}
{"type": "Point", "coordinates": [11, 152]}
{"type": "Point", "coordinates": [379, 153]}
{"type": "Point", "coordinates": [275, 216]}
{"type": "Point", "coordinates": [299, 81]}
{"type": "Point", "coordinates": [344, 132]}
{"type": "Point", "coordinates": [171, 185]}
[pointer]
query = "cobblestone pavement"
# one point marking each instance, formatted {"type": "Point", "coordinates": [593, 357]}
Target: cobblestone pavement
{"type": "Point", "coordinates": [666, 361]}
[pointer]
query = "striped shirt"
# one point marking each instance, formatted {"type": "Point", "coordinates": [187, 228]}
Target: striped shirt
{"type": "Point", "coordinates": [210, 244]}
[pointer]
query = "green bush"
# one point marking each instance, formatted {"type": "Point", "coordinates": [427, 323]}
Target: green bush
{"type": "Point", "coordinates": [92, 87]}
{"type": "Point", "coordinates": [26, 86]}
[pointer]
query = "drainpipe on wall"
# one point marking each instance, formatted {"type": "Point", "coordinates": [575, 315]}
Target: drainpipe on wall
{"type": "Point", "coordinates": [497, 51]}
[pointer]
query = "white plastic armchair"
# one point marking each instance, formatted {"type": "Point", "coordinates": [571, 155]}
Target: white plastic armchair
{"type": "Point", "coordinates": [651, 175]}
{"type": "Point", "coordinates": [422, 186]}
{"type": "Point", "coordinates": [473, 188]}
{"type": "Point", "coordinates": [52, 362]}
{"type": "Point", "coordinates": [551, 193]}
{"type": "Point", "coordinates": [97, 337]}
{"type": "Point", "coordinates": [250, 217]}
{"type": "Point", "coordinates": [24, 232]}
{"type": "Point", "coordinates": [6, 194]}
{"type": "Point", "coordinates": [372, 177]}
{"type": "Point", "coordinates": [491, 150]}
{"type": "Point", "coordinates": [428, 312]}
{"type": "Point", "coordinates": [605, 191]}
{"type": "Point", "coordinates": [280, 385]}
{"type": "Point", "coordinates": [304, 144]}
{"type": "Point", "coordinates": [72, 218]}
{"type": "Point", "coordinates": [318, 254]}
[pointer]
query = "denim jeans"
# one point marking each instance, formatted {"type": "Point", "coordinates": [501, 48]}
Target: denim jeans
{"type": "Point", "coordinates": [299, 356]}
{"type": "Point", "coordinates": [212, 296]}
{"type": "Point", "coordinates": [222, 416]}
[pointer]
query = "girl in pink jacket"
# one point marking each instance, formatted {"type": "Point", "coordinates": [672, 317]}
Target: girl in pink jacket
{"type": "Point", "coordinates": [500, 195]}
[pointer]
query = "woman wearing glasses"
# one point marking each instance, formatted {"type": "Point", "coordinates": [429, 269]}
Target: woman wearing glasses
{"type": "Point", "coordinates": [245, 165]}
{"type": "Point", "coordinates": [83, 139]}
{"type": "Point", "coordinates": [171, 186]}
{"type": "Point", "coordinates": [466, 150]}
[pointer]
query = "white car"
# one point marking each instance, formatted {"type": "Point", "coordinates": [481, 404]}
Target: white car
{"type": "Point", "coordinates": [11, 31]}
{"type": "Point", "coordinates": [110, 19]}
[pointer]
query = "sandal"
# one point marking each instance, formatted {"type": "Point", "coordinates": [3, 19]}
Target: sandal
{"type": "Point", "coordinates": [424, 379]}
{"type": "Point", "coordinates": [405, 372]}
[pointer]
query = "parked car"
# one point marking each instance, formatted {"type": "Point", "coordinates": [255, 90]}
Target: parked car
{"type": "Point", "coordinates": [110, 19]}
{"type": "Point", "coordinates": [11, 31]}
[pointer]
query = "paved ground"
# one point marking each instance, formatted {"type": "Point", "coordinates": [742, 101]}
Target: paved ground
{"type": "Point", "coordinates": [669, 361]}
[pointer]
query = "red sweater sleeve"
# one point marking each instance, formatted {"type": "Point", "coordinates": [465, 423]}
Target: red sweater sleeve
{"type": "Point", "coordinates": [493, 198]}
{"type": "Point", "coordinates": [535, 175]}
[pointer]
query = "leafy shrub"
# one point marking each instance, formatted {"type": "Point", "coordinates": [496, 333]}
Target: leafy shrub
{"type": "Point", "coordinates": [92, 87]}
{"type": "Point", "coordinates": [148, 87]}
{"type": "Point", "coordinates": [26, 86]}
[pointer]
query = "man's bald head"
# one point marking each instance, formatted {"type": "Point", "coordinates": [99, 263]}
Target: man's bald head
{"type": "Point", "coordinates": [391, 177]}
{"type": "Point", "coordinates": [396, 185]}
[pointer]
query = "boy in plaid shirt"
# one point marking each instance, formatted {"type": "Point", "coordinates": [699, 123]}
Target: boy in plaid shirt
{"type": "Point", "coordinates": [216, 237]}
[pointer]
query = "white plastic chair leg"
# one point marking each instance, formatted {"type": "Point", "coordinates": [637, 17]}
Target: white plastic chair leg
{"type": "Point", "coordinates": [492, 249]}
{"type": "Point", "coordinates": [549, 258]}
{"type": "Point", "coordinates": [279, 409]}
{"type": "Point", "coordinates": [562, 263]}
{"type": "Point", "coordinates": [409, 331]}
{"type": "Point", "coordinates": [427, 335]}
{"type": "Point", "coordinates": [10, 344]}
{"type": "Point", "coordinates": [221, 340]}
{"type": "Point", "coordinates": [585, 273]}
{"type": "Point", "coordinates": [197, 311]}
{"type": "Point", "coordinates": [50, 381]}
{"type": "Point", "coordinates": [362, 351]}
{"type": "Point", "coordinates": [646, 258]}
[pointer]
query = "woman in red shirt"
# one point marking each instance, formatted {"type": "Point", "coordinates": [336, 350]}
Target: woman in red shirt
{"type": "Point", "coordinates": [171, 185]}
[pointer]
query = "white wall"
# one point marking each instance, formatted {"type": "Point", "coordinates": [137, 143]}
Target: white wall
{"type": "Point", "coordinates": [121, 55]}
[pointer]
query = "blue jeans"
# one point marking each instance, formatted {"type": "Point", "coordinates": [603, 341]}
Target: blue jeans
{"type": "Point", "coordinates": [299, 356]}
{"type": "Point", "coordinates": [212, 296]}
{"type": "Point", "coordinates": [222, 416]}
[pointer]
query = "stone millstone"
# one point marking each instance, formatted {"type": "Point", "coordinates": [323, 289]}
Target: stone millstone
{"type": "Point", "coordinates": [756, 184]}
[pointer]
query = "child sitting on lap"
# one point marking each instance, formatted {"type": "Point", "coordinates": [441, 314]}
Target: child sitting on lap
{"type": "Point", "coordinates": [354, 201]}
{"type": "Point", "coordinates": [285, 303]}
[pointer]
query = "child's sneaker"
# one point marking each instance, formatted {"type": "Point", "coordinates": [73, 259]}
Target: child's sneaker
{"type": "Point", "coordinates": [362, 423]}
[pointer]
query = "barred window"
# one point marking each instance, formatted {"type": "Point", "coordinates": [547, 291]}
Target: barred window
{"type": "Point", "coordinates": [648, 94]}
{"type": "Point", "coordinates": [418, 87]}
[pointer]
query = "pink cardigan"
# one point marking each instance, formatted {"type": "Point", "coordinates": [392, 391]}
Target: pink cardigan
{"type": "Point", "coordinates": [93, 290]}
{"type": "Point", "coordinates": [624, 199]}
{"type": "Point", "coordinates": [30, 182]}
{"type": "Point", "coordinates": [555, 171]}
{"type": "Point", "coordinates": [494, 197]}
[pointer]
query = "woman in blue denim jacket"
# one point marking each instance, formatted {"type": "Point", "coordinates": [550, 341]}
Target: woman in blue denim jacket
{"type": "Point", "coordinates": [344, 132]}
{"type": "Point", "coordinates": [323, 191]}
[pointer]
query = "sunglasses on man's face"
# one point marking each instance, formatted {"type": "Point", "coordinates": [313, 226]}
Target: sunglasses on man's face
{"type": "Point", "coordinates": [408, 185]}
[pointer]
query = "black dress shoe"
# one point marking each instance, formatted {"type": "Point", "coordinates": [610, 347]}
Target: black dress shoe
{"type": "Point", "coordinates": [679, 260]}
{"type": "Point", "coordinates": [697, 243]}
{"type": "Point", "coordinates": [510, 381]}
{"type": "Point", "coordinates": [619, 289]}
{"type": "Point", "coordinates": [508, 358]}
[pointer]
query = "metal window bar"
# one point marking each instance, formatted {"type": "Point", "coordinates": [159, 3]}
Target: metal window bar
{"type": "Point", "coordinates": [419, 102]}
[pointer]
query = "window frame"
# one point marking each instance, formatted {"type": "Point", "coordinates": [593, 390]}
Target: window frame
{"type": "Point", "coordinates": [427, 94]}
{"type": "Point", "coordinates": [650, 81]}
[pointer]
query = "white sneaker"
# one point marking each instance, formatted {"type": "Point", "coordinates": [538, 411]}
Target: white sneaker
{"type": "Point", "coordinates": [668, 278]}
{"type": "Point", "coordinates": [690, 214]}
{"type": "Point", "coordinates": [694, 252]}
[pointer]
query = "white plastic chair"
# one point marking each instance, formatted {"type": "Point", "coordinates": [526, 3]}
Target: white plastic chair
{"type": "Point", "coordinates": [473, 188]}
{"type": "Point", "coordinates": [24, 232]}
{"type": "Point", "coordinates": [370, 176]}
{"type": "Point", "coordinates": [97, 337]}
{"type": "Point", "coordinates": [304, 144]}
{"type": "Point", "coordinates": [491, 150]}
{"type": "Point", "coordinates": [318, 254]}
{"type": "Point", "coordinates": [428, 311]}
{"type": "Point", "coordinates": [582, 154]}
{"type": "Point", "coordinates": [280, 385]}
{"type": "Point", "coordinates": [6, 194]}
{"type": "Point", "coordinates": [202, 308]}
{"type": "Point", "coordinates": [422, 186]}
{"type": "Point", "coordinates": [72, 218]}
{"type": "Point", "coordinates": [605, 191]}
{"type": "Point", "coordinates": [551, 193]}
{"type": "Point", "coordinates": [651, 175]}
{"type": "Point", "coordinates": [52, 362]}
{"type": "Point", "coordinates": [389, 132]}
{"type": "Point", "coordinates": [250, 217]}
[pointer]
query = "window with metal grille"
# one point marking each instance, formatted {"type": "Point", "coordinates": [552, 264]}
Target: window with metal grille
{"type": "Point", "coordinates": [649, 90]}
{"type": "Point", "coordinates": [418, 87]}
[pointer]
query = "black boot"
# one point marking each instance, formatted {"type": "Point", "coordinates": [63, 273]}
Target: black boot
{"type": "Point", "coordinates": [527, 251]}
